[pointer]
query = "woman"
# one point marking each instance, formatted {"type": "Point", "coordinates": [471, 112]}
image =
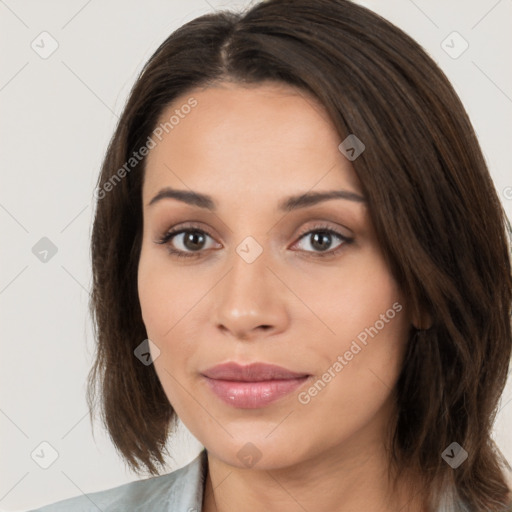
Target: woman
{"type": "Point", "coordinates": [298, 251]}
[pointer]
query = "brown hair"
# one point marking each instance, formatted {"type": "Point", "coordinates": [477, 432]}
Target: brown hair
{"type": "Point", "coordinates": [432, 202]}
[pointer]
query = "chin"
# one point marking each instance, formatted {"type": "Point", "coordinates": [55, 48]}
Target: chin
{"type": "Point", "coordinates": [259, 452]}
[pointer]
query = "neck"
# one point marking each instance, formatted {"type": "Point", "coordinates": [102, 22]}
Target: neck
{"type": "Point", "coordinates": [357, 480]}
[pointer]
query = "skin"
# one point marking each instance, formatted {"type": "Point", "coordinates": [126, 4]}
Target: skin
{"type": "Point", "coordinates": [249, 148]}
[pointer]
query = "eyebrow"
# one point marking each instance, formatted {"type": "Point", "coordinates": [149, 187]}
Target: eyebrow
{"type": "Point", "coordinates": [287, 205]}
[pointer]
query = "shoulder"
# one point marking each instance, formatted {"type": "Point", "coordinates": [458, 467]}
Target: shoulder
{"type": "Point", "coordinates": [182, 489]}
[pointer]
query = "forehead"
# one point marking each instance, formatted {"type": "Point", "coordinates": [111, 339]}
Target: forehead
{"type": "Point", "coordinates": [254, 138]}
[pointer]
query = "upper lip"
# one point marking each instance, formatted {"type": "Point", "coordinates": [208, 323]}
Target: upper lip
{"type": "Point", "coordinates": [253, 372]}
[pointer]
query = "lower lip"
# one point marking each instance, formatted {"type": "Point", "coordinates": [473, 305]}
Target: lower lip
{"type": "Point", "coordinates": [253, 395]}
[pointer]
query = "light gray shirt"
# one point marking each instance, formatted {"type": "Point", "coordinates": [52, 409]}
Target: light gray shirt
{"type": "Point", "coordinates": [179, 491]}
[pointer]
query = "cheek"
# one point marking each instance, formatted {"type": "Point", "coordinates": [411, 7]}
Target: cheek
{"type": "Point", "coordinates": [371, 353]}
{"type": "Point", "coordinates": [164, 294]}
{"type": "Point", "coordinates": [352, 298]}
{"type": "Point", "coordinates": [165, 298]}
{"type": "Point", "coordinates": [170, 300]}
{"type": "Point", "coordinates": [358, 366]}
{"type": "Point", "coordinates": [362, 355]}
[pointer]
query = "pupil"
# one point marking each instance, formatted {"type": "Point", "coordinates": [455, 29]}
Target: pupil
{"type": "Point", "coordinates": [192, 237]}
{"type": "Point", "coordinates": [321, 240]}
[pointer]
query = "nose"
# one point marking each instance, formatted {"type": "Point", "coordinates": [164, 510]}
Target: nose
{"type": "Point", "coordinates": [250, 302]}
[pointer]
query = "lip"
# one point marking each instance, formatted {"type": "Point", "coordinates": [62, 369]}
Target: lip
{"type": "Point", "coordinates": [254, 372]}
{"type": "Point", "coordinates": [252, 386]}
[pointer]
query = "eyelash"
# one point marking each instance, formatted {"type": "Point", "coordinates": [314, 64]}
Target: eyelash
{"type": "Point", "coordinates": [191, 228]}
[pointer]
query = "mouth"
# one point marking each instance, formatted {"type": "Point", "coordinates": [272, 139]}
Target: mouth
{"type": "Point", "coordinates": [252, 386]}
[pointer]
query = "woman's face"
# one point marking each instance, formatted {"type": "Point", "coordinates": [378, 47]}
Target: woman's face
{"type": "Point", "coordinates": [304, 287]}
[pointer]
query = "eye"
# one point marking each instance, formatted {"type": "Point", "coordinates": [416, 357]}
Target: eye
{"type": "Point", "coordinates": [189, 239]}
{"type": "Point", "coordinates": [320, 239]}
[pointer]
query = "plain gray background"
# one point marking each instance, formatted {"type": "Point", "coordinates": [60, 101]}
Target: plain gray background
{"type": "Point", "coordinates": [58, 113]}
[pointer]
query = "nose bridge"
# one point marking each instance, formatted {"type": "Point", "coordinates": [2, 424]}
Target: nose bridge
{"type": "Point", "coordinates": [249, 296]}
{"type": "Point", "coordinates": [247, 281]}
